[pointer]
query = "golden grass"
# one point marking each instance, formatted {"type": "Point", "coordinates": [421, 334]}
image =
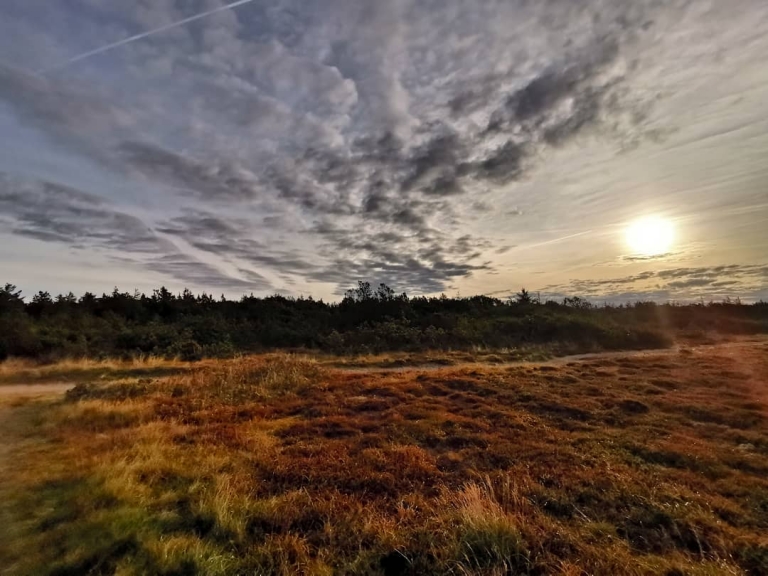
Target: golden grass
{"type": "Point", "coordinates": [22, 371]}
{"type": "Point", "coordinates": [434, 358]}
{"type": "Point", "coordinates": [277, 464]}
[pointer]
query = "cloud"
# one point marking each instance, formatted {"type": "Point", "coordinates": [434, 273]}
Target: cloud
{"type": "Point", "coordinates": [376, 183]}
{"type": "Point", "coordinates": [197, 273]}
{"type": "Point", "coordinates": [56, 213]}
{"type": "Point", "coordinates": [212, 180]}
{"type": "Point", "coordinates": [502, 166]}
{"type": "Point", "coordinates": [232, 239]}
{"type": "Point", "coordinates": [435, 160]}
{"type": "Point", "coordinates": [366, 47]}
{"type": "Point", "coordinates": [151, 32]}
{"type": "Point", "coordinates": [426, 261]}
{"type": "Point", "coordinates": [418, 263]}
{"type": "Point", "coordinates": [641, 258]}
{"type": "Point", "coordinates": [70, 116]}
{"type": "Point", "coordinates": [563, 99]}
{"type": "Point", "coordinates": [693, 283]}
{"type": "Point", "coordinates": [713, 282]}
{"type": "Point", "coordinates": [53, 212]}
{"type": "Point", "coordinates": [335, 141]}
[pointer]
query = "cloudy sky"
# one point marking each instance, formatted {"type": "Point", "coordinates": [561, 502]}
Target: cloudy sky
{"type": "Point", "coordinates": [457, 146]}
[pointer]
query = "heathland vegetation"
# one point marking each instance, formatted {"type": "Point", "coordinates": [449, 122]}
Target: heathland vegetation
{"type": "Point", "coordinates": [646, 463]}
{"type": "Point", "coordinates": [367, 320]}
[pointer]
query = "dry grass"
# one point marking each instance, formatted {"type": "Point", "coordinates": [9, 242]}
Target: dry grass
{"type": "Point", "coordinates": [277, 465]}
{"type": "Point", "coordinates": [87, 370]}
{"type": "Point", "coordinates": [436, 358]}
{"type": "Point", "coordinates": [21, 371]}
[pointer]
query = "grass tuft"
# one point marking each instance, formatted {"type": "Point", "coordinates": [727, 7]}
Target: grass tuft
{"type": "Point", "coordinates": [248, 378]}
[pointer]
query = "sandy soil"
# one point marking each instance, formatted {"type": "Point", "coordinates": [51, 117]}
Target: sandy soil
{"type": "Point", "coordinates": [29, 390]}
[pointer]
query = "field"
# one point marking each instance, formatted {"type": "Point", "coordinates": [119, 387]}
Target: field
{"type": "Point", "coordinates": [624, 463]}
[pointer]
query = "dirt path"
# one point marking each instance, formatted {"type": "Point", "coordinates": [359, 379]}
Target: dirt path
{"type": "Point", "coordinates": [30, 390]}
{"type": "Point", "coordinates": [693, 351]}
{"type": "Point", "coordinates": [557, 361]}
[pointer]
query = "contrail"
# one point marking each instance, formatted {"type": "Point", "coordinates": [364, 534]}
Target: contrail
{"type": "Point", "coordinates": [143, 35]}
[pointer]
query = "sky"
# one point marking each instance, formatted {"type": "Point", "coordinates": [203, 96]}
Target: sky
{"type": "Point", "coordinates": [440, 146]}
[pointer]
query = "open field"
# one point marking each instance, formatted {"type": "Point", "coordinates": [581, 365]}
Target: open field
{"type": "Point", "coordinates": [78, 370]}
{"type": "Point", "coordinates": [649, 463]}
{"type": "Point", "coordinates": [86, 370]}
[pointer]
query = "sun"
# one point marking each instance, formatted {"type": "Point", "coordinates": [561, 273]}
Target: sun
{"type": "Point", "coordinates": [651, 236]}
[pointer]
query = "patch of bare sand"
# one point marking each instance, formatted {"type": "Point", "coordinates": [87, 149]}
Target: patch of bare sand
{"type": "Point", "coordinates": [34, 390]}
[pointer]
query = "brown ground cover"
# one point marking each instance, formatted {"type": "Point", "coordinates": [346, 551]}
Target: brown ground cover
{"type": "Point", "coordinates": [277, 464]}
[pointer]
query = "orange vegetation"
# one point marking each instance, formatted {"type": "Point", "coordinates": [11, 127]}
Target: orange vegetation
{"type": "Point", "coordinates": [628, 464]}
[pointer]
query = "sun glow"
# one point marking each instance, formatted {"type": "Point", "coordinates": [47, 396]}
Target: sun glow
{"type": "Point", "coordinates": [651, 236]}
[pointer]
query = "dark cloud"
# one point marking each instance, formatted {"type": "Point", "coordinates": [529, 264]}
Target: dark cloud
{"type": "Point", "coordinates": [52, 212]}
{"type": "Point", "coordinates": [201, 225]}
{"type": "Point", "coordinates": [444, 185]}
{"type": "Point", "coordinates": [381, 178]}
{"type": "Point", "coordinates": [211, 233]}
{"type": "Point", "coordinates": [197, 273]}
{"type": "Point", "coordinates": [301, 188]}
{"type": "Point", "coordinates": [703, 272]}
{"type": "Point", "coordinates": [211, 180]}
{"type": "Point", "coordinates": [693, 283]}
{"type": "Point", "coordinates": [408, 217]}
{"type": "Point", "coordinates": [467, 101]}
{"type": "Point", "coordinates": [348, 256]}
{"type": "Point", "coordinates": [404, 273]}
{"type": "Point", "coordinates": [562, 101]}
{"type": "Point", "coordinates": [423, 262]}
{"type": "Point", "coordinates": [437, 159]}
{"type": "Point", "coordinates": [56, 213]}
{"type": "Point", "coordinates": [232, 239]}
{"type": "Point", "coordinates": [502, 166]}
{"type": "Point", "coordinates": [402, 185]}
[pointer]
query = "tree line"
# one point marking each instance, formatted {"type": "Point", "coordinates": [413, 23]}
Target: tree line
{"type": "Point", "coordinates": [368, 319]}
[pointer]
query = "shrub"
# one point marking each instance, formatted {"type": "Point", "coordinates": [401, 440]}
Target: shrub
{"type": "Point", "coordinates": [190, 351]}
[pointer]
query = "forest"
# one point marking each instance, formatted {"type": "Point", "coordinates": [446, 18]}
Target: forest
{"type": "Point", "coordinates": [369, 319]}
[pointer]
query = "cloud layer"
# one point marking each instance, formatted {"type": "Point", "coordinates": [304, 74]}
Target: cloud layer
{"type": "Point", "coordinates": [284, 144]}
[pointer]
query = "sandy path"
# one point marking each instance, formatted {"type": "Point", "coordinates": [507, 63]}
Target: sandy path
{"type": "Point", "coordinates": [29, 390]}
{"type": "Point", "coordinates": [693, 351]}
{"type": "Point", "coordinates": [556, 361]}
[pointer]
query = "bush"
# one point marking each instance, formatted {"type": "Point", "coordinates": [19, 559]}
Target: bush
{"type": "Point", "coordinates": [190, 351]}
